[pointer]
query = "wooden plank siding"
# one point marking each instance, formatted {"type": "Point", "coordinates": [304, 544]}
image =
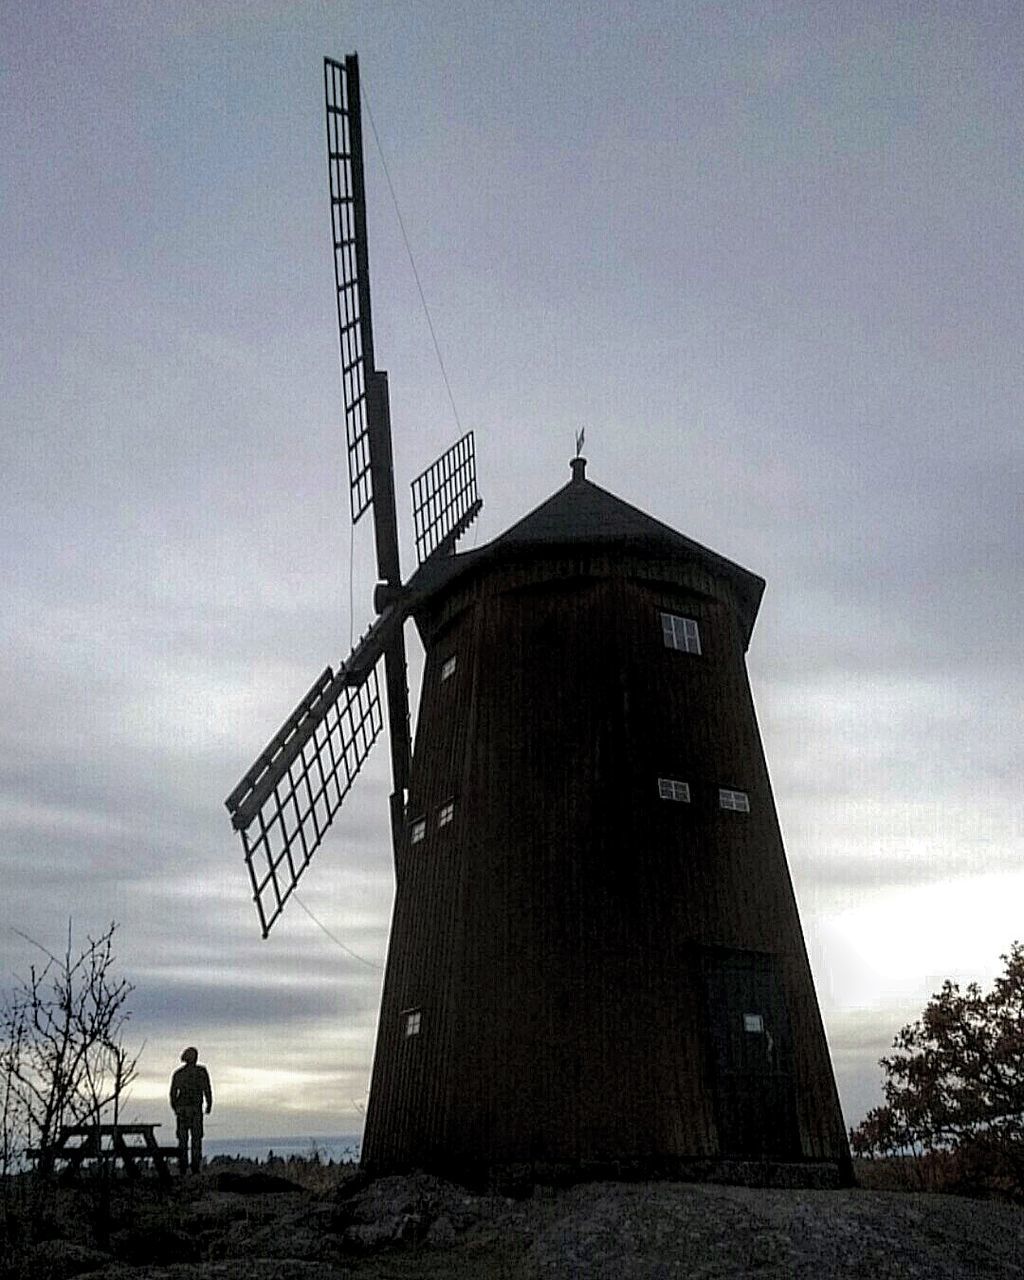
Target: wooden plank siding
{"type": "Point", "coordinates": [555, 934]}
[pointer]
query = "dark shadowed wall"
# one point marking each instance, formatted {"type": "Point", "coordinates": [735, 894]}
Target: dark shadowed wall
{"type": "Point", "coordinates": [581, 972]}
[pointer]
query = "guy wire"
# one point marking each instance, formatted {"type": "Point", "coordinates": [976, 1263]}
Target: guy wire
{"type": "Point", "coordinates": [412, 260]}
{"type": "Point", "coordinates": [338, 942]}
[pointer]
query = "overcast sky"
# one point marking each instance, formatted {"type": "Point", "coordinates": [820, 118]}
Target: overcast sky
{"type": "Point", "coordinates": [769, 255]}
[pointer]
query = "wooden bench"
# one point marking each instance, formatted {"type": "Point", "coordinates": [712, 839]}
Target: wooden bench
{"type": "Point", "coordinates": [78, 1143]}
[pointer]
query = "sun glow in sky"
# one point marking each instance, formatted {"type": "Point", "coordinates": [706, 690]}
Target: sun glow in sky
{"type": "Point", "coordinates": [769, 256]}
{"type": "Point", "coordinates": [902, 943]}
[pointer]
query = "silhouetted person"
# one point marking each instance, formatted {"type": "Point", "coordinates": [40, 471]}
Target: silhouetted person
{"type": "Point", "coordinates": [190, 1088]}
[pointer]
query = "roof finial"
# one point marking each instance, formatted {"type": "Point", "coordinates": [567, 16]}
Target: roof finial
{"type": "Point", "coordinates": [579, 463]}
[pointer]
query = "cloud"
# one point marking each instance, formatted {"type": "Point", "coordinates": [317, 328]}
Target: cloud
{"type": "Point", "coordinates": [279, 1005]}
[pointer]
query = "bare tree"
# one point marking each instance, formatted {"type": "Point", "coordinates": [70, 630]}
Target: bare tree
{"type": "Point", "coordinates": [63, 1057]}
{"type": "Point", "coordinates": [13, 1131]}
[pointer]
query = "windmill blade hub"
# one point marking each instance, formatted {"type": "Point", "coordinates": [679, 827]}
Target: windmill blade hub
{"type": "Point", "coordinates": [386, 594]}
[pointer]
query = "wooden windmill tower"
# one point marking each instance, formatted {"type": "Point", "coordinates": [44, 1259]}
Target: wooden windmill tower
{"type": "Point", "coordinates": [596, 962]}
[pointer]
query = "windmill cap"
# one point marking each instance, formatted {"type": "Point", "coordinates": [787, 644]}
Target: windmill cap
{"type": "Point", "coordinates": [578, 466]}
{"type": "Point", "coordinates": [582, 514]}
{"type": "Point", "coordinates": [189, 1055]}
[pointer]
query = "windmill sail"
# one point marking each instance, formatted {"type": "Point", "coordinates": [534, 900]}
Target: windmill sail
{"type": "Point", "coordinates": [365, 389]}
{"type": "Point", "coordinates": [351, 270]}
{"type": "Point", "coordinates": [285, 803]}
{"type": "Point", "coordinates": [444, 498]}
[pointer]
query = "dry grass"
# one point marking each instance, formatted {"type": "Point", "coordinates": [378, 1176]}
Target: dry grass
{"type": "Point", "coordinates": [944, 1172]}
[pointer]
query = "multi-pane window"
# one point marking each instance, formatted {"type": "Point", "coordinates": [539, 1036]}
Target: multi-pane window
{"type": "Point", "coordinates": [680, 633]}
{"type": "Point", "coordinates": [446, 813]}
{"type": "Point", "coordinates": [753, 1022]}
{"type": "Point", "coordinates": [412, 1017]}
{"type": "Point", "coordinates": [417, 830]}
{"type": "Point", "coordinates": [737, 801]}
{"type": "Point", "coordinates": [673, 789]}
{"type": "Point", "coordinates": [448, 667]}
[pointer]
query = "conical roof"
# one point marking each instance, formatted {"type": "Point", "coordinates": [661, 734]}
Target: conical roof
{"type": "Point", "coordinates": [581, 513]}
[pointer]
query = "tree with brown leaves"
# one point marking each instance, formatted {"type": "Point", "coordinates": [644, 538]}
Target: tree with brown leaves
{"type": "Point", "coordinates": [955, 1082]}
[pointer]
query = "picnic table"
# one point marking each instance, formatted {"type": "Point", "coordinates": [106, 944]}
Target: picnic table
{"type": "Point", "coordinates": [77, 1143]}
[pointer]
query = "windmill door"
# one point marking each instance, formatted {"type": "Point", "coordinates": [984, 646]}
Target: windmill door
{"type": "Point", "coordinates": [751, 1056]}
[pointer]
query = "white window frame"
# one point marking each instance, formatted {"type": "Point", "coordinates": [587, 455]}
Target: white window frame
{"type": "Point", "coordinates": [446, 814]}
{"type": "Point", "coordinates": [734, 801]}
{"type": "Point", "coordinates": [417, 830]}
{"type": "Point", "coordinates": [753, 1024]}
{"type": "Point", "coordinates": [679, 633]}
{"type": "Point", "coordinates": [448, 667]}
{"type": "Point", "coordinates": [413, 1023]}
{"type": "Point", "coordinates": [674, 789]}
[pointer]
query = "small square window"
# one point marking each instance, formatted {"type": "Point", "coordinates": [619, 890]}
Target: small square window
{"type": "Point", "coordinates": [754, 1023]}
{"type": "Point", "coordinates": [448, 667]}
{"type": "Point", "coordinates": [673, 789]}
{"type": "Point", "coordinates": [412, 1017]}
{"type": "Point", "coordinates": [680, 633]}
{"type": "Point", "coordinates": [417, 831]}
{"type": "Point", "coordinates": [446, 813]}
{"type": "Point", "coordinates": [737, 801]}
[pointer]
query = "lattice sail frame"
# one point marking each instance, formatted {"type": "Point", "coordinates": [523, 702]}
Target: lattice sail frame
{"type": "Point", "coordinates": [288, 799]}
{"type": "Point", "coordinates": [444, 496]}
{"type": "Point", "coordinates": [351, 268]}
{"type": "Point", "coordinates": [284, 805]}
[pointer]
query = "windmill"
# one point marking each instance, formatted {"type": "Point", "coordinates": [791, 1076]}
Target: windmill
{"type": "Point", "coordinates": [596, 961]}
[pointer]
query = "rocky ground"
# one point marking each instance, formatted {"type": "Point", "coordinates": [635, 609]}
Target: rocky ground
{"type": "Point", "coordinates": [243, 1223]}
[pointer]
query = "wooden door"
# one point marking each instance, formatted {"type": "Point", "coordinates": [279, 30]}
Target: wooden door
{"type": "Point", "coordinates": [750, 1053]}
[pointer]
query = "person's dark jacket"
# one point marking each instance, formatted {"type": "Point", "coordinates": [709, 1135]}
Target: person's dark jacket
{"type": "Point", "coordinates": [190, 1087]}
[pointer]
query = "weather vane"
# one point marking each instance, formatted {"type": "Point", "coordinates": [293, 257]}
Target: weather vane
{"type": "Point", "coordinates": [580, 435]}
